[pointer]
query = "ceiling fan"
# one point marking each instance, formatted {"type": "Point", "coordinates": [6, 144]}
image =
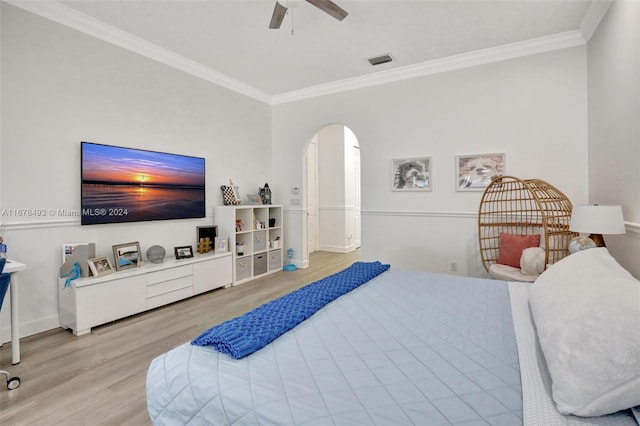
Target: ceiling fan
{"type": "Point", "coordinates": [326, 6]}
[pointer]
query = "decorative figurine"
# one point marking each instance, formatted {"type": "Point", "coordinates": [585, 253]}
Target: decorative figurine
{"type": "Point", "coordinates": [265, 194]}
{"type": "Point", "coordinates": [72, 274]}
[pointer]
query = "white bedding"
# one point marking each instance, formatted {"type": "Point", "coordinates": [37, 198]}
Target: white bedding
{"type": "Point", "coordinates": [537, 404]}
{"type": "Point", "coordinates": [405, 348]}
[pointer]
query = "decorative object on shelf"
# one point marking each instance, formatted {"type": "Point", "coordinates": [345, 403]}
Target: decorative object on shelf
{"type": "Point", "coordinates": [597, 220]}
{"type": "Point", "coordinates": [183, 252]}
{"type": "Point", "coordinates": [206, 232]}
{"type": "Point", "coordinates": [222, 244]}
{"type": "Point", "coordinates": [290, 266]}
{"type": "Point", "coordinates": [275, 243]}
{"type": "Point", "coordinates": [265, 194]}
{"type": "Point", "coordinates": [127, 255]}
{"type": "Point", "coordinates": [411, 174]}
{"type": "Point", "coordinates": [79, 253]}
{"type": "Point", "coordinates": [581, 243]}
{"type": "Point", "coordinates": [100, 266]}
{"type": "Point", "coordinates": [240, 249]}
{"type": "Point", "coordinates": [238, 225]}
{"type": "Point", "coordinates": [272, 222]}
{"type": "Point", "coordinates": [254, 199]}
{"type": "Point", "coordinates": [230, 194]}
{"type": "Point", "coordinates": [204, 245]}
{"type": "Point", "coordinates": [72, 274]}
{"type": "Point", "coordinates": [156, 254]}
{"type": "Point", "coordinates": [476, 172]}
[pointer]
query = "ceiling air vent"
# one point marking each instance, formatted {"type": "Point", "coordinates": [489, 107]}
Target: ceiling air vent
{"type": "Point", "coordinates": [383, 59]}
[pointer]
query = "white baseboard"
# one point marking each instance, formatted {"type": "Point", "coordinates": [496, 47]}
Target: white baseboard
{"type": "Point", "coordinates": [337, 249]}
{"type": "Point", "coordinates": [29, 328]}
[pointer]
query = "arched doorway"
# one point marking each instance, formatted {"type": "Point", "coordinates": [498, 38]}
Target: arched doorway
{"type": "Point", "coordinates": [332, 187]}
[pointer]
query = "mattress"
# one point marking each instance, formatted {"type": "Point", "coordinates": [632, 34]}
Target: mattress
{"type": "Point", "coordinates": [405, 348]}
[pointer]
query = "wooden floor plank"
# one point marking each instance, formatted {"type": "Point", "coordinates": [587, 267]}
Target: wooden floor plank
{"type": "Point", "coordinates": [100, 378]}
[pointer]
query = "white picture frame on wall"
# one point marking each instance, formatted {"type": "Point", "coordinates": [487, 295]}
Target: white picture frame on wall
{"type": "Point", "coordinates": [475, 172]}
{"type": "Point", "coordinates": [411, 174]}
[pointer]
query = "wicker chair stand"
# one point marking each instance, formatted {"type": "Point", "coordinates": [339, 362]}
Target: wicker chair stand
{"type": "Point", "coordinates": [523, 207]}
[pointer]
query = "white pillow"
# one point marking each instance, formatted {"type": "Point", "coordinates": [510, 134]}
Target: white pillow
{"type": "Point", "coordinates": [532, 261]}
{"type": "Point", "coordinates": [586, 310]}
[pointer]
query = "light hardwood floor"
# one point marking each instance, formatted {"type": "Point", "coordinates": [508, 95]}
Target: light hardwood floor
{"type": "Point", "coordinates": [99, 379]}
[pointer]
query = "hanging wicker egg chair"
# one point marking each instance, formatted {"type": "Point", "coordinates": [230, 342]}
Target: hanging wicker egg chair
{"type": "Point", "coordinates": [524, 207]}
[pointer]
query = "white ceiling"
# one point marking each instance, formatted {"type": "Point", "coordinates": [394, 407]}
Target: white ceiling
{"type": "Point", "coordinates": [233, 38]}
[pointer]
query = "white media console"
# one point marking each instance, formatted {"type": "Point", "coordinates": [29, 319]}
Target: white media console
{"type": "Point", "coordinates": [88, 301]}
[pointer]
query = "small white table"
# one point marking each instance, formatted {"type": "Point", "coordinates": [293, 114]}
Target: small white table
{"type": "Point", "coordinates": [13, 267]}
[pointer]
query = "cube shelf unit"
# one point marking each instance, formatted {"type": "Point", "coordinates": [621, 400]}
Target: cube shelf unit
{"type": "Point", "coordinates": [258, 230]}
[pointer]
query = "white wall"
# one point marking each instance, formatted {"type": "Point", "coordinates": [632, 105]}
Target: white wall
{"type": "Point", "coordinates": [60, 87]}
{"type": "Point", "coordinates": [331, 188]}
{"type": "Point", "coordinates": [336, 189]}
{"type": "Point", "coordinates": [614, 123]}
{"type": "Point", "coordinates": [534, 109]}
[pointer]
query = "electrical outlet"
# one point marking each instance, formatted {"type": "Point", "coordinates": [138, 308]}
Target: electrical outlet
{"type": "Point", "coordinates": [295, 201]}
{"type": "Point", "coordinates": [453, 266]}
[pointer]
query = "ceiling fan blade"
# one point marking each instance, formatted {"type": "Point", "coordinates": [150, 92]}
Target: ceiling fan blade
{"type": "Point", "coordinates": [278, 16]}
{"type": "Point", "coordinates": [331, 8]}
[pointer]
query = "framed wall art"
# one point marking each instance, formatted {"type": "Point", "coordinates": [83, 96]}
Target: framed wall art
{"type": "Point", "coordinates": [411, 174]}
{"type": "Point", "coordinates": [126, 255]}
{"type": "Point", "coordinates": [475, 172]}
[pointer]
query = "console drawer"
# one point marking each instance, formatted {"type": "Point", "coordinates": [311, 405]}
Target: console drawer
{"type": "Point", "coordinates": [169, 274]}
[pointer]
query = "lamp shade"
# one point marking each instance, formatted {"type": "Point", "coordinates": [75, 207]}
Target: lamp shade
{"type": "Point", "coordinates": [597, 219]}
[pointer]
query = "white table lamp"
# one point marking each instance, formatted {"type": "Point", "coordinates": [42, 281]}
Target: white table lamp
{"type": "Point", "coordinates": [597, 220]}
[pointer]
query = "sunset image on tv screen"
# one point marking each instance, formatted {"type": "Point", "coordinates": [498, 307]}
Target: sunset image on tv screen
{"type": "Point", "coordinates": [129, 185]}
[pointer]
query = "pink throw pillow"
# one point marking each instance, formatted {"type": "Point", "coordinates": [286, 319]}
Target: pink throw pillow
{"type": "Point", "coordinates": [511, 247]}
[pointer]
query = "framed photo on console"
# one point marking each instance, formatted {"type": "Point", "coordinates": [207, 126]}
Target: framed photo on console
{"type": "Point", "coordinates": [222, 245]}
{"type": "Point", "coordinates": [127, 255]}
{"type": "Point", "coordinates": [210, 232]}
{"type": "Point", "coordinates": [183, 252]}
{"type": "Point", "coordinates": [100, 266]}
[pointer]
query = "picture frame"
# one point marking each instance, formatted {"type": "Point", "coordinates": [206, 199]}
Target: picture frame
{"type": "Point", "coordinates": [475, 172]}
{"type": "Point", "coordinates": [100, 266]}
{"type": "Point", "coordinates": [221, 245]}
{"type": "Point", "coordinates": [183, 252]}
{"type": "Point", "coordinates": [127, 255]}
{"type": "Point", "coordinates": [254, 199]}
{"type": "Point", "coordinates": [411, 174]}
{"type": "Point", "coordinates": [210, 232]}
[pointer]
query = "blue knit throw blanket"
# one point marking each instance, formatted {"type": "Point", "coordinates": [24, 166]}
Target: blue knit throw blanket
{"type": "Point", "coordinates": [246, 334]}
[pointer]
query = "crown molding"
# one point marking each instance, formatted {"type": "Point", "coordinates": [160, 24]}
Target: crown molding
{"type": "Point", "coordinates": [450, 63]}
{"type": "Point", "coordinates": [72, 18]}
{"type": "Point", "coordinates": [79, 21]}
{"type": "Point", "coordinates": [595, 13]}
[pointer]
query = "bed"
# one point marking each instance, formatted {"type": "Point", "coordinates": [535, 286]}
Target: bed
{"type": "Point", "coordinates": [406, 347]}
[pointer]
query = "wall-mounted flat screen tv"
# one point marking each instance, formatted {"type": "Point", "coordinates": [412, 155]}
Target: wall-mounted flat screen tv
{"type": "Point", "coordinates": [130, 185]}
